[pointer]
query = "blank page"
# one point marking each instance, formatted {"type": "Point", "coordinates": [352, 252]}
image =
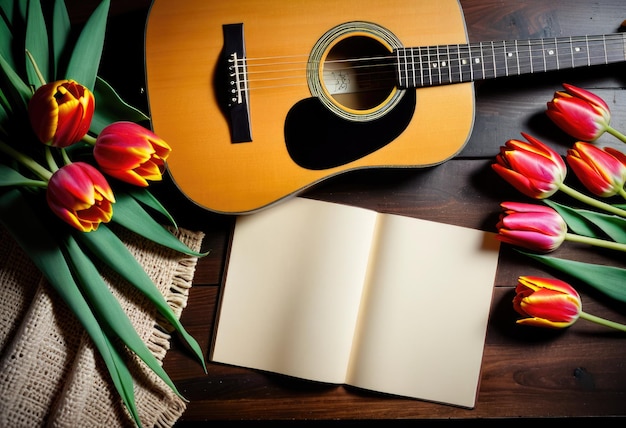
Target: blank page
{"type": "Point", "coordinates": [293, 289]}
{"type": "Point", "coordinates": [425, 312]}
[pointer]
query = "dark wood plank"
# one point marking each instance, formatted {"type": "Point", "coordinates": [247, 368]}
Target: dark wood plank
{"type": "Point", "coordinates": [527, 372]}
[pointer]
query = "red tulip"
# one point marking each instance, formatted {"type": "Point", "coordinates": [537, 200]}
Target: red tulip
{"type": "Point", "coordinates": [601, 173]}
{"type": "Point", "coordinates": [80, 195]}
{"type": "Point", "coordinates": [546, 302]}
{"type": "Point", "coordinates": [535, 227]}
{"type": "Point", "coordinates": [616, 154]}
{"type": "Point", "coordinates": [533, 168]}
{"type": "Point", "coordinates": [580, 113]}
{"type": "Point", "coordinates": [61, 112]}
{"type": "Point", "coordinates": [131, 153]}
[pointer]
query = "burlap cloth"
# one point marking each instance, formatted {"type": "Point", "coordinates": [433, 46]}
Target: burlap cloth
{"type": "Point", "coordinates": [50, 374]}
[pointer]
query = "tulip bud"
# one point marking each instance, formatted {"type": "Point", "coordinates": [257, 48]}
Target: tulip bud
{"type": "Point", "coordinates": [580, 113]}
{"type": "Point", "coordinates": [533, 168]}
{"type": "Point", "coordinates": [598, 170]}
{"type": "Point", "coordinates": [534, 227]}
{"type": "Point", "coordinates": [546, 302]}
{"type": "Point", "coordinates": [131, 153]}
{"type": "Point", "coordinates": [61, 112]}
{"type": "Point", "coordinates": [80, 195]}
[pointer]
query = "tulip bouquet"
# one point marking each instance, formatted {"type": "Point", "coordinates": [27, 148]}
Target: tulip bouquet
{"type": "Point", "coordinates": [538, 171]}
{"type": "Point", "coordinates": [73, 158]}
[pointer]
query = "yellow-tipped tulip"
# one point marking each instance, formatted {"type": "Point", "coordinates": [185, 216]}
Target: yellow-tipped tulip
{"type": "Point", "coordinates": [131, 153]}
{"type": "Point", "coordinates": [602, 173]}
{"type": "Point", "coordinates": [546, 302]}
{"type": "Point", "coordinates": [60, 112]}
{"type": "Point", "coordinates": [80, 195]}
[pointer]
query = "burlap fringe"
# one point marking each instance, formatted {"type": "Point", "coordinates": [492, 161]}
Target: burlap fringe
{"type": "Point", "coordinates": [49, 372]}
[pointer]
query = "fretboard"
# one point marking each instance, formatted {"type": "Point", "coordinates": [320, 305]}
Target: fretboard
{"type": "Point", "coordinates": [439, 65]}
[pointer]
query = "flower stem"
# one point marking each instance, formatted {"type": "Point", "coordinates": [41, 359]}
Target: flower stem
{"type": "Point", "coordinates": [591, 201]}
{"type": "Point", "coordinates": [602, 321]}
{"type": "Point", "coordinates": [66, 158]}
{"type": "Point", "coordinates": [89, 139]}
{"type": "Point", "coordinates": [51, 162]}
{"type": "Point", "coordinates": [612, 245]}
{"type": "Point", "coordinates": [614, 132]}
{"type": "Point", "coordinates": [28, 162]}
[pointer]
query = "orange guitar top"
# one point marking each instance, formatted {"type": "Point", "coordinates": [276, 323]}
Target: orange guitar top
{"type": "Point", "coordinates": [281, 59]}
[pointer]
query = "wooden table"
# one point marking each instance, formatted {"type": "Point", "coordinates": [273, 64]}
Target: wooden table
{"type": "Point", "coordinates": [527, 372]}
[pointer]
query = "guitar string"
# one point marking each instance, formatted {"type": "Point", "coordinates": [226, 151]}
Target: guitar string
{"type": "Point", "coordinates": [422, 61]}
{"type": "Point", "coordinates": [436, 49]}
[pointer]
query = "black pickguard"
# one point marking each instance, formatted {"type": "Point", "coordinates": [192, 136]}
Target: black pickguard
{"type": "Point", "coordinates": [317, 139]}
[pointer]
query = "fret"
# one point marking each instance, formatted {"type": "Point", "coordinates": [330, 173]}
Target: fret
{"type": "Point", "coordinates": [455, 64]}
{"type": "Point", "coordinates": [476, 61]}
{"type": "Point", "coordinates": [435, 65]}
{"type": "Point", "coordinates": [511, 58]}
{"type": "Point", "coordinates": [448, 65]}
{"type": "Point", "coordinates": [465, 64]}
{"type": "Point", "coordinates": [523, 52]}
{"type": "Point", "coordinates": [550, 55]}
{"type": "Point", "coordinates": [489, 61]}
{"type": "Point", "coordinates": [517, 59]}
{"type": "Point", "coordinates": [500, 58]}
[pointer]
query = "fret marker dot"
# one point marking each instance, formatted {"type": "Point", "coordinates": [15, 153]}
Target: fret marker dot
{"type": "Point", "coordinates": [509, 54]}
{"type": "Point", "coordinates": [577, 49]}
{"type": "Point", "coordinates": [464, 62]}
{"type": "Point", "coordinates": [550, 52]}
{"type": "Point", "coordinates": [477, 60]}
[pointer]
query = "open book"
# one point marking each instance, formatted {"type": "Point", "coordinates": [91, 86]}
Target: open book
{"type": "Point", "coordinates": [345, 295]}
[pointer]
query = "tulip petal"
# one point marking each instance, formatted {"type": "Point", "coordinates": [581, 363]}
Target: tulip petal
{"type": "Point", "coordinates": [540, 322]}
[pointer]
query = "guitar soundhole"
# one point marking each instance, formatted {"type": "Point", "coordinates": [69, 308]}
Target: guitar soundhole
{"type": "Point", "coordinates": [352, 71]}
{"type": "Point", "coordinates": [358, 74]}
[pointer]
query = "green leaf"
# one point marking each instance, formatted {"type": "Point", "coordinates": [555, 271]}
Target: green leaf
{"type": "Point", "coordinates": [61, 29]}
{"type": "Point", "coordinates": [576, 222]}
{"type": "Point", "coordinates": [108, 309]}
{"type": "Point", "coordinates": [128, 213]}
{"type": "Point", "coordinates": [588, 223]}
{"type": "Point", "coordinates": [111, 108]}
{"type": "Point", "coordinates": [613, 226]}
{"type": "Point", "coordinates": [105, 245]}
{"type": "Point", "coordinates": [6, 34]}
{"type": "Point", "coordinates": [85, 59]}
{"type": "Point", "coordinates": [143, 196]}
{"type": "Point", "coordinates": [609, 280]}
{"type": "Point", "coordinates": [5, 108]}
{"type": "Point", "coordinates": [37, 44]}
{"type": "Point", "coordinates": [34, 238]}
{"type": "Point", "coordinates": [123, 380]}
{"type": "Point", "coordinates": [15, 90]}
{"type": "Point", "coordinates": [10, 177]}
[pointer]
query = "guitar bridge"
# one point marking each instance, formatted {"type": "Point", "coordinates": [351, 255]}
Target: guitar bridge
{"type": "Point", "coordinates": [232, 81]}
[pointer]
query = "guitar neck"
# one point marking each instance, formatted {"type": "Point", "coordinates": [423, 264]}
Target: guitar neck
{"type": "Point", "coordinates": [444, 64]}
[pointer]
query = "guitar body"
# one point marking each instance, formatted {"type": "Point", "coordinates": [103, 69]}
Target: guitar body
{"type": "Point", "coordinates": [295, 140]}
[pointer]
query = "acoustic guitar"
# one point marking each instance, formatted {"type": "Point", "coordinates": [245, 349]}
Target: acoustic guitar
{"type": "Point", "coordinates": [260, 100]}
